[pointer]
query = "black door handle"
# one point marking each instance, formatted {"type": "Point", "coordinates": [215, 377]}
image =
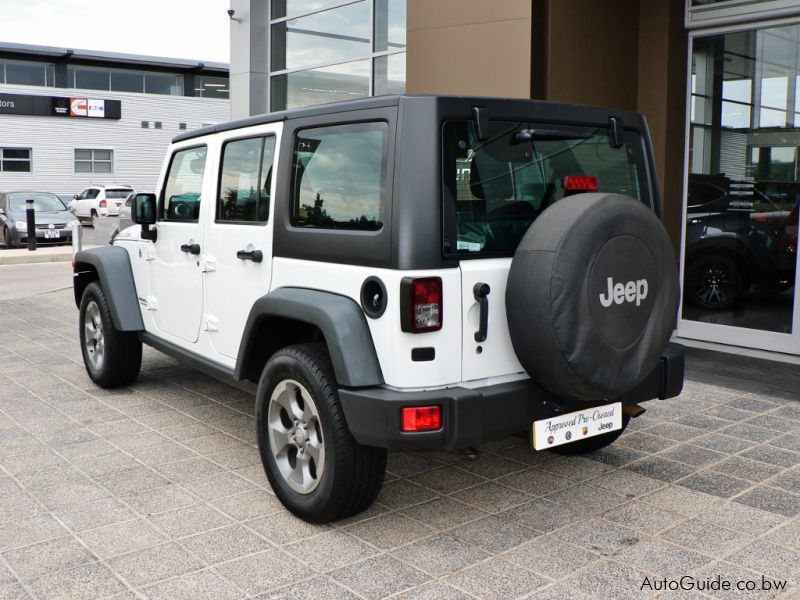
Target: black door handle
{"type": "Point", "coordinates": [255, 255]}
{"type": "Point", "coordinates": [481, 291]}
{"type": "Point", "coordinates": [190, 248]}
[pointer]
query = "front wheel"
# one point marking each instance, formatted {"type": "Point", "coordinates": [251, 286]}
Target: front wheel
{"type": "Point", "coordinates": [8, 239]}
{"type": "Point", "coordinates": [714, 282]}
{"type": "Point", "coordinates": [318, 471]}
{"type": "Point", "coordinates": [112, 357]}
{"type": "Point", "coordinates": [595, 443]}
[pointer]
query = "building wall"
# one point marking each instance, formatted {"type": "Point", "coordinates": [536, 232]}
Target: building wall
{"type": "Point", "coordinates": [138, 152]}
{"type": "Point", "coordinates": [469, 47]}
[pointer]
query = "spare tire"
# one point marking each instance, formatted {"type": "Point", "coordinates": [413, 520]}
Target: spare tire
{"type": "Point", "coordinates": [592, 296]}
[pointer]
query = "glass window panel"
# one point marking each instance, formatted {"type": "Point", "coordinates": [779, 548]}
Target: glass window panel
{"type": "Point", "coordinates": [17, 166]}
{"type": "Point", "coordinates": [2, 72]}
{"type": "Point", "coordinates": [127, 81]}
{"type": "Point", "coordinates": [318, 86]}
{"type": "Point", "coordinates": [390, 24]}
{"type": "Point", "coordinates": [735, 115]}
{"type": "Point", "coordinates": [51, 75]}
{"type": "Point", "coordinates": [20, 73]}
{"type": "Point", "coordinates": [163, 83]}
{"type": "Point", "coordinates": [102, 167]}
{"type": "Point", "coordinates": [83, 166]}
{"type": "Point", "coordinates": [331, 36]}
{"type": "Point", "coordinates": [390, 74]}
{"type": "Point", "coordinates": [744, 184]}
{"type": "Point", "coordinates": [287, 8]}
{"type": "Point", "coordinates": [102, 154]}
{"type": "Point", "coordinates": [16, 153]}
{"type": "Point", "coordinates": [181, 200]}
{"type": "Point", "coordinates": [340, 175]}
{"type": "Point", "coordinates": [212, 87]}
{"type": "Point", "coordinates": [83, 155]}
{"type": "Point", "coordinates": [239, 188]}
{"type": "Point", "coordinates": [91, 79]}
{"type": "Point", "coordinates": [70, 76]}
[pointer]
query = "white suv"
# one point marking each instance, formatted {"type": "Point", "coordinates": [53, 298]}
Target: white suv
{"type": "Point", "coordinates": [97, 201]}
{"type": "Point", "coordinates": [399, 272]}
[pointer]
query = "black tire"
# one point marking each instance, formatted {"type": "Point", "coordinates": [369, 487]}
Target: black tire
{"type": "Point", "coordinates": [593, 444]}
{"type": "Point", "coordinates": [7, 239]}
{"type": "Point", "coordinates": [93, 217]}
{"type": "Point", "coordinates": [714, 282]}
{"type": "Point", "coordinates": [121, 352]}
{"type": "Point", "coordinates": [351, 474]}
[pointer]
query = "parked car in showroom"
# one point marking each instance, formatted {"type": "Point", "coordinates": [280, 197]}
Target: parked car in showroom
{"type": "Point", "coordinates": [53, 220]}
{"type": "Point", "coordinates": [736, 239]}
{"type": "Point", "coordinates": [98, 201]}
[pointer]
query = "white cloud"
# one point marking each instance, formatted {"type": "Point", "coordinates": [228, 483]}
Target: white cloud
{"type": "Point", "coordinates": [191, 29]}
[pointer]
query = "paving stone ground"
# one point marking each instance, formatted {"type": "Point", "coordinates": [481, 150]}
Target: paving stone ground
{"type": "Point", "coordinates": [157, 491]}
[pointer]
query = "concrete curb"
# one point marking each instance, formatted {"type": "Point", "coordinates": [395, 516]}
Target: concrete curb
{"type": "Point", "coordinates": [40, 255]}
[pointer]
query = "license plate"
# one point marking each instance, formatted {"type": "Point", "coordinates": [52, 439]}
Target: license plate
{"type": "Point", "coordinates": [51, 234]}
{"type": "Point", "coordinates": [119, 204]}
{"type": "Point", "coordinates": [575, 426]}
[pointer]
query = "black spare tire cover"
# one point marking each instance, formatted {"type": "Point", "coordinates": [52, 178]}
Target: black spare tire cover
{"type": "Point", "coordinates": [592, 296]}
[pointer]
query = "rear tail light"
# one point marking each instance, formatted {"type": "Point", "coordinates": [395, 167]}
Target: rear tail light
{"type": "Point", "coordinates": [103, 204]}
{"type": "Point", "coordinates": [421, 418]}
{"type": "Point", "coordinates": [421, 304]}
{"type": "Point", "coordinates": [580, 183]}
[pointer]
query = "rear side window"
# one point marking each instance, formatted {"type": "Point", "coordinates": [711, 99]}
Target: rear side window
{"type": "Point", "coordinates": [339, 176]}
{"type": "Point", "coordinates": [245, 180]}
{"type": "Point", "coordinates": [184, 185]}
{"type": "Point", "coordinates": [493, 189]}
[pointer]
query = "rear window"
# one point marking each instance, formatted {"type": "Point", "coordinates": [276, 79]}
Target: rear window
{"type": "Point", "coordinates": [495, 188]}
{"type": "Point", "coordinates": [117, 194]}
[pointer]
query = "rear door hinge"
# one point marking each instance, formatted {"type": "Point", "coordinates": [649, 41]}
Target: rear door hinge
{"type": "Point", "coordinates": [211, 323]}
{"type": "Point", "coordinates": [209, 264]}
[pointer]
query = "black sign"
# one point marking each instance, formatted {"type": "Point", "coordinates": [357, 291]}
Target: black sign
{"type": "Point", "coordinates": [58, 106]}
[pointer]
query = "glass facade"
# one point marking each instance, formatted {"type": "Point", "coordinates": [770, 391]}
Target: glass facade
{"type": "Point", "coordinates": [743, 188]}
{"type": "Point", "coordinates": [17, 72]}
{"type": "Point", "coordinates": [326, 51]}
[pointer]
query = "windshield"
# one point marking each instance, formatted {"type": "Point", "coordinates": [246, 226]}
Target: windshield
{"type": "Point", "coordinates": [494, 189]}
{"type": "Point", "coordinates": [117, 194]}
{"type": "Point", "coordinates": [42, 202]}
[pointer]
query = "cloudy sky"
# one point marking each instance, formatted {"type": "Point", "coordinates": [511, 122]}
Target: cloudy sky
{"type": "Point", "coordinates": [193, 29]}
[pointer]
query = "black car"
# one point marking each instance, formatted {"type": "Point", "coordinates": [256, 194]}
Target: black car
{"type": "Point", "coordinates": [53, 219]}
{"type": "Point", "coordinates": [736, 238]}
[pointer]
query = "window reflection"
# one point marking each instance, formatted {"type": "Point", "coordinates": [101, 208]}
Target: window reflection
{"type": "Point", "coordinates": [744, 182]}
{"type": "Point", "coordinates": [319, 86]}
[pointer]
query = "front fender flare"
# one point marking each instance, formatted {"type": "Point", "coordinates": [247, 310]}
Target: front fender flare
{"type": "Point", "coordinates": [113, 267]}
{"type": "Point", "coordinates": [339, 318]}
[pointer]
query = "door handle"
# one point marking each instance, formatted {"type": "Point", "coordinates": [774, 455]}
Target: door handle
{"type": "Point", "coordinates": [190, 248]}
{"type": "Point", "coordinates": [481, 291]}
{"type": "Point", "coordinates": [255, 255]}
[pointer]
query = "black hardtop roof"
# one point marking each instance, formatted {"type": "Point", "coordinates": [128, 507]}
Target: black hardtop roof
{"type": "Point", "coordinates": [386, 101]}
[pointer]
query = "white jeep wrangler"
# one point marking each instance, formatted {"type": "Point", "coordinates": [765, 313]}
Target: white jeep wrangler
{"type": "Point", "coordinates": [399, 272]}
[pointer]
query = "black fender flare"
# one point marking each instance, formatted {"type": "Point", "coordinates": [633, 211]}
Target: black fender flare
{"type": "Point", "coordinates": [339, 318]}
{"type": "Point", "coordinates": [113, 267]}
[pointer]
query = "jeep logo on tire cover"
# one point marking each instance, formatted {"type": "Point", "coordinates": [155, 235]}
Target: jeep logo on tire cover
{"type": "Point", "coordinates": [617, 293]}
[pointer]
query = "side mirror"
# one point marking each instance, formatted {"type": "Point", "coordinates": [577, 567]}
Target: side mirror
{"type": "Point", "coordinates": [2, 211]}
{"type": "Point", "coordinates": [144, 213]}
{"type": "Point", "coordinates": [75, 197]}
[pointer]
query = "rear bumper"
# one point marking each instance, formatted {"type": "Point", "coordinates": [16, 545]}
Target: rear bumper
{"type": "Point", "coordinates": [473, 416]}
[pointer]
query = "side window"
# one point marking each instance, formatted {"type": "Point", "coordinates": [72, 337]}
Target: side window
{"type": "Point", "coordinates": [184, 185]}
{"type": "Point", "coordinates": [245, 180]}
{"type": "Point", "coordinates": [82, 195]}
{"type": "Point", "coordinates": [339, 176]}
{"type": "Point", "coordinates": [92, 193]}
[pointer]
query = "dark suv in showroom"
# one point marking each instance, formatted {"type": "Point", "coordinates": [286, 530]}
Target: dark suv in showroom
{"type": "Point", "coordinates": [739, 235]}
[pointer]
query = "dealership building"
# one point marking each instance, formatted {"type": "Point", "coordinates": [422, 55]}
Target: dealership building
{"type": "Point", "coordinates": [70, 118]}
{"type": "Point", "coordinates": [718, 81]}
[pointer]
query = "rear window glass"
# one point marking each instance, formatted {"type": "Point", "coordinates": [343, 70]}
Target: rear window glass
{"type": "Point", "coordinates": [493, 189]}
{"type": "Point", "coordinates": [117, 194]}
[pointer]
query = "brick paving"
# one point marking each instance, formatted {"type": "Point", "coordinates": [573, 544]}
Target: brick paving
{"type": "Point", "coordinates": [157, 491]}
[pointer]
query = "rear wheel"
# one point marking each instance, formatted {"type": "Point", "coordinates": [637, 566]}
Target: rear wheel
{"type": "Point", "coordinates": [94, 218]}
{"type": "Point", "coordinates": [8, 239]}
{"type": "Point", "coordinates": [318, 471]}
{"type": "Point", "coordinates": [593, 444]}
{"type": "Point", "coordinates": [714, 282]}
{"type": "Point", "coordinates": [112, 357]}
